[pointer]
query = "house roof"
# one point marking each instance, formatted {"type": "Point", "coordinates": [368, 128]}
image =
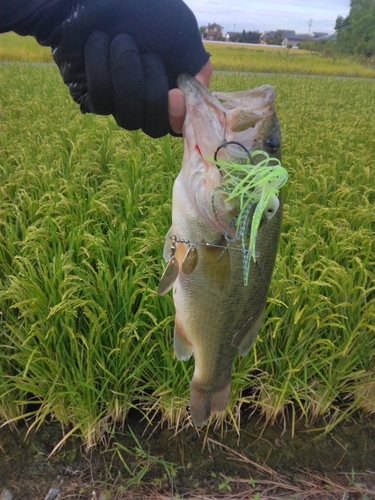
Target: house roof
{"type": "Point", "coordinates": [287, 32]}
{"type": "Point", "coordinates": [304, 37]}
{"type": "Point", "coordinates": [294, 39]}
{"type": "Point", "coordinates": [298, 37]}
{"type": "Point", "coordinates": [325, 37]}
{"type": "Point", "coordinates": [272, 34]}
{"type": "Point", "coordinates": [213, 26]}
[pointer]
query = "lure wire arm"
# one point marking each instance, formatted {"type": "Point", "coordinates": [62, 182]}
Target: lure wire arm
{"type": "Point", "coordinates": [175, 239]}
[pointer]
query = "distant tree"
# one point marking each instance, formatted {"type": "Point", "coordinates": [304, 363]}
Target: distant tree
{"type": "Point", "coordinates": [279, 37]}
{"type": "Point", "coordinates": [202, 29]}
{"type": "Point", "coordinates": [275, 40]}
{"type": "Point", "coordinates": [243, 37]}
{"type": "Point", "coordinates": [327, 48]}
{"type": "Point", "coordinates": [249, 36]}
{"type": "Point", "coordinates": [356, 32]}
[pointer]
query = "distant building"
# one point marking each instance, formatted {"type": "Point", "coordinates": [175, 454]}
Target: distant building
{"type": "Point", "coordinates": [231, 36]}
{"type": "Point", "coordinates": [294, 41]}
{"type": "Point", "coordinates": [213, 32]}
{"type": "Point", "coordinates": [291, 38]}
{"type": "Point", "coordinates": [318, 34]}
{"type": "Point", "coordinates": [271, 35]}
{"type": "Point", "coordinates": [324, 36]}
{"type": "Point", "coordinates": [297, 39]}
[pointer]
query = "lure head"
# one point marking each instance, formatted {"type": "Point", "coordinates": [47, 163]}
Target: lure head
{"type": "Point", "coordinates": [272, 207]}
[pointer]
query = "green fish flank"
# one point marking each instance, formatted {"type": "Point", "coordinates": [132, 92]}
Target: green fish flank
{"type": "Point", "coordinates": [256, 189]}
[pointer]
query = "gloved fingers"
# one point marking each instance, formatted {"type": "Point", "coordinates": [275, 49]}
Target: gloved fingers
{"type": "Point", "coordinates": [98, 74]}
{"type": "Point", "coordinates": [155, 105]}
{"type": "Point", "coordinates": [131, 86]}
{"type": "Point", "coordinates": [127, 82]}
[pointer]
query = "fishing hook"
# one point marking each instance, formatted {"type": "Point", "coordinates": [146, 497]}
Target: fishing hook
{"type": "Point", "coordinates": [225, 143]}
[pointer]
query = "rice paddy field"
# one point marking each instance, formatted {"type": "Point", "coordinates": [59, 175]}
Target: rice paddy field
{"type": "Point", "coordinates": [271, 59]}
{"type": "Point", "coordinates": [84, 209]}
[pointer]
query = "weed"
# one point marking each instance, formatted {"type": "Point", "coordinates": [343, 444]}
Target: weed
{"type": "Point", "coordinates": [225, 485]}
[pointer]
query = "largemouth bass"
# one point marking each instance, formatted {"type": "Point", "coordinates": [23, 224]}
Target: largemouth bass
{"type": "Point", "coordinates": [222, 245]}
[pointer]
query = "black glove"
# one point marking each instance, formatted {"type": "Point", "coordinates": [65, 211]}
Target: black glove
{"type": "Point", "coordinates": [120, 57]}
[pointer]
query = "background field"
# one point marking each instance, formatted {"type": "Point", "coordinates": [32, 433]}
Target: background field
{"type": "Point", "coordinates": [22, 49]}
{"type": "Point", "coordinates": [225, 57]}
{"type": "Point", "coordinates": [264, 59]}
{"type": "Point", "coordinates": [84, 208]}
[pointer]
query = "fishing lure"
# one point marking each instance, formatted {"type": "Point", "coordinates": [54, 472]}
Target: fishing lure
{"type": "Point", "coordinates": [256, 189]}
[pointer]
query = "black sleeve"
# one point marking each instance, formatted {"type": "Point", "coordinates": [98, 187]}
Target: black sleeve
{"type": "Point", "coordinates": [23, 16]}
{"type": "Point", "coordinates": [173, 36]}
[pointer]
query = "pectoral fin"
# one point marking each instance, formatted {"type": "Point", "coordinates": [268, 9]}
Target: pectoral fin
{"type": "Point", "coordinates": [251, 335]}
{"type": "Point", "coordinates": [182, 347]}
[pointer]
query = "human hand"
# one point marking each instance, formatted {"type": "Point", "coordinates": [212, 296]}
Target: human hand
{"type": "Point", "coordinates": [122, 57]}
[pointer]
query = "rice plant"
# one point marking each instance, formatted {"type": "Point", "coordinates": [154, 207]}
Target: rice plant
{"type": "Point", "coordinates": [84, 209]}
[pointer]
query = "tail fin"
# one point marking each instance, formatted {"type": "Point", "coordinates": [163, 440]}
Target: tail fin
{"type": "Point", "coordinates": [203, 401]}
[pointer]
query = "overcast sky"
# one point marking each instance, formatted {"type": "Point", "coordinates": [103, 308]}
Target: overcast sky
{"type": "Point", "coordinates": [262, 15]}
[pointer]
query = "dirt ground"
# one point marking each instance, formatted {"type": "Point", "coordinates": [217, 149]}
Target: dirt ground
{"type": "Point", "coordinates": [155, 462]}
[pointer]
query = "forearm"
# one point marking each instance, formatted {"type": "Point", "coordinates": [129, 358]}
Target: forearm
{"type": "Point", "coordinates": [28, 17]}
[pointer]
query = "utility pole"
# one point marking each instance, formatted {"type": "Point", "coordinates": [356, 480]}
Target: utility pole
{"type": "Point", "coordinates": [310, 21]}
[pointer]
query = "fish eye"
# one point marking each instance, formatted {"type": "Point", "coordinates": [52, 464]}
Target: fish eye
{"type": "Point", "coordinates": [273, 143]}
{"type": "Point", "coordinates": [272, 207]}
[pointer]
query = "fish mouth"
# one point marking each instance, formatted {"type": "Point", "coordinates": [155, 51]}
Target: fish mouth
{"type": "Point", "coordinates": [183, 79]}
{"type": "Point", "coordinates": [236, 123]}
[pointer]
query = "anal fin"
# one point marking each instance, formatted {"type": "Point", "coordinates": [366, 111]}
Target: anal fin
{"type": "Point", "coordinates": [182, 347]}
{"type": "Point", "coordinates": [251, 335]}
